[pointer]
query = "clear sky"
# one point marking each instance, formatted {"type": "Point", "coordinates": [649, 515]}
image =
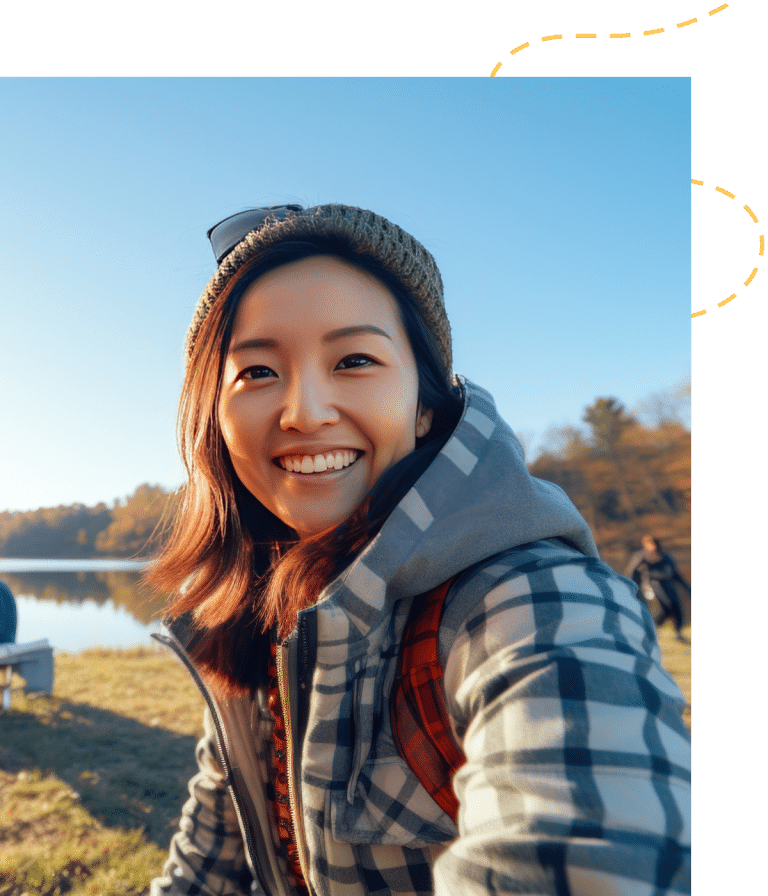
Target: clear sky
{"type": "Point", "coordinates": [558, 211]}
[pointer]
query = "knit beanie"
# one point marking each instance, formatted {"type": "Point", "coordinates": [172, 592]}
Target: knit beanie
{"type": "Point", "coordinates": [243, 238]}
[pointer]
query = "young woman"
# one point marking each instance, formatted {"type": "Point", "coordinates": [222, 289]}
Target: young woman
{"type": "Point", "coordinates": [339, 474]}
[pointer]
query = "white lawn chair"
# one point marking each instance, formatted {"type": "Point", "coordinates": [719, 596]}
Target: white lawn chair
{"type": "Point", "coordinates": [33, 660]}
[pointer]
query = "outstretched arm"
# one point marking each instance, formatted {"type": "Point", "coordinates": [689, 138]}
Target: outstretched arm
{"type": "Point", "coordinates": [577, 777]}
{"type": "Point", "coordinates": [633, 568]}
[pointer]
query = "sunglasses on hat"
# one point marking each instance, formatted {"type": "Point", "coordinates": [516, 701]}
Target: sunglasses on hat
{"type": "Point", "coordinates": [225, 235]}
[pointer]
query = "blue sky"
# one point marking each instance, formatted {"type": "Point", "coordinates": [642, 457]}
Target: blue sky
{"type": "Point", "coordinates": [558, 211]}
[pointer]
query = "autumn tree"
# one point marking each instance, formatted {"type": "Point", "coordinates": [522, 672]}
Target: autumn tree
{"type": "Point", "coordinates": [565, 441]}
{"type": "Point", "coordinates": [63, 531]}
{"type": "Point", "coordinates": [134, 523]}
{"type": "Point", "coordinates": [608, 419]}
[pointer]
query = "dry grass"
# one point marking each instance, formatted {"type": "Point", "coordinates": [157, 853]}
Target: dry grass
{"type": "Point", "coordinates": [677, 661]}
{"type": "Point", "coordinates": [92, 779]}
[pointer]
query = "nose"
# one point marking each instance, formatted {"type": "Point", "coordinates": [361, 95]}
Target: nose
{"type": "Point", "coordinates": [308, 405]}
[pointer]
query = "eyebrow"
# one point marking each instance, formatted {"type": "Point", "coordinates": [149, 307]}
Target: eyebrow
{"type": "Point", "coordinates": [331, 336]}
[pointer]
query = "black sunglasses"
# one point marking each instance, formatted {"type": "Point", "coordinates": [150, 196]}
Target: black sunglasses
{"type": "Point", "coordinates": [225, 235]}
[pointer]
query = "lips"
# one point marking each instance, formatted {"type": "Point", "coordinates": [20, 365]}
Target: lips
{"type": "Point", "coordinates": [318, 463]}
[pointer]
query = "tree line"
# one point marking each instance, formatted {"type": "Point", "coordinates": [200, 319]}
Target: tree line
{"type": "Point", "coordinates": [129, 528]}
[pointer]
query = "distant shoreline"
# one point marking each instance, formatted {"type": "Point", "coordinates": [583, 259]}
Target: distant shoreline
{"type": "Point", "coordinates": [67, 564]}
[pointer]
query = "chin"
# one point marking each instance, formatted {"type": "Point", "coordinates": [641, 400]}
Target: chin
{"type": "Point", "coordinates": [305, 528]}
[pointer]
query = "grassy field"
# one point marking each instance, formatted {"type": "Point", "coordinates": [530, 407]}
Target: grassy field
{"type": "Point", "coordinates": [92, 779]}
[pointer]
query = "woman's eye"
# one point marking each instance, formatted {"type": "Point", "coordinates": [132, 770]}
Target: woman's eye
{"type": "Point", "coordinates": [352, 361]}
{"type": "Point", "coordinates": [256, 373]}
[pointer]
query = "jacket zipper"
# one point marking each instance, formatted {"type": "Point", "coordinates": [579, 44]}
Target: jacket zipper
{"type": "Point", "coordinates": [221, 740]}
{"type": "Point", "coordinates": [284, 666]}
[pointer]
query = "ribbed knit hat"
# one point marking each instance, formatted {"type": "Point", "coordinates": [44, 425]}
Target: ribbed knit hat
{"type": "Point", "coordinates": [246, 236]}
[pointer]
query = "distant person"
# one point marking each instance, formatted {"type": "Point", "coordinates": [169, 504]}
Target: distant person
{"type": "Point", "coordinates": [655, 574]}
{"type": "Point", "coordinates": [341, 482]}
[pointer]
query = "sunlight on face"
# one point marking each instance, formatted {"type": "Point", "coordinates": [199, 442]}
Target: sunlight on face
{"type": "Point", "coordinates": [320, 391]}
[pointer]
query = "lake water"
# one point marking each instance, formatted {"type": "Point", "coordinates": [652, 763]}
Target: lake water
{"type": "Point", "coordinates": [82, 603]}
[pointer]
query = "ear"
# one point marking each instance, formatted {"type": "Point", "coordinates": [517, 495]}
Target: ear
{"type": "Point", "coordinates": [423, 421]}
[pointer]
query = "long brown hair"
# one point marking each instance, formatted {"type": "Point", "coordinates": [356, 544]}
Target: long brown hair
{"type": "Point", "coordinates": [233, 566]}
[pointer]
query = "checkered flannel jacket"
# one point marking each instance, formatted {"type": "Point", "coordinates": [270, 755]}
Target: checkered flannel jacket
{"type": "Point", "coordinates": [577, 774]}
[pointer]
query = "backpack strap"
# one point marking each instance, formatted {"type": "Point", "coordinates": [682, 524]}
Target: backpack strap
{"type": "Point", "coordinates": [421, 725]}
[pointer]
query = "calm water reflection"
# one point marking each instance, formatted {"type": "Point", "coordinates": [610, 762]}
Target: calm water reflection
{"type": "Point", "coordinates": [78, 604]}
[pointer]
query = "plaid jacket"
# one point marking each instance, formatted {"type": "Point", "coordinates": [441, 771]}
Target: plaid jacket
{"type": "Point", "coordinates": [577, 773]}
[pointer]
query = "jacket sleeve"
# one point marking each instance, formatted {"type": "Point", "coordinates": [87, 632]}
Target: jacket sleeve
{"type": "Point", "coordinates": [633, 568]}
{"type": "Point", "coordinates": [207, 854]}
{"type": "Point", "coordinates": [577, 778]}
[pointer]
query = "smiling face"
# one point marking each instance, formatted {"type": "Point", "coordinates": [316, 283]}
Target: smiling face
{"type": "Point", "coordinates": [319, 394]}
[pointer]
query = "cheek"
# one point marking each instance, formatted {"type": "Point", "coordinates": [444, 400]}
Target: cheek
{"type": "Point", "coordinates": [395, 421]}
{"type": "Point", "coordinates": [233, 426]}
{"type": "Point", "coordinates": [225, 423]}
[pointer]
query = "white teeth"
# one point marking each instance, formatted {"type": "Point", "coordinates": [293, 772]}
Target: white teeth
{"type": "Point", "coordinates": [318, 463]}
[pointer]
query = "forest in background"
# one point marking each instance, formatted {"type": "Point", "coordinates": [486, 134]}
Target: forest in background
{"type": "Point", "coordinates": [77, 531]}
{"type": "Point", "coordinates": [627, 479]}
{"type": "Point", "coordinates": [628, 474]}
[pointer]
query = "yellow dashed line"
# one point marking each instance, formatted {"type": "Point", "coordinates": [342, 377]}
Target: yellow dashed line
{"type": "Point", "coordinates": [762, 240]}
{"type": "Point", "coordinates": [617, 35]}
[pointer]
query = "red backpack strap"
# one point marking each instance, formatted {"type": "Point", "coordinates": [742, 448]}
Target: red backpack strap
{"type": "Point", "coordinates": [421, 725]}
